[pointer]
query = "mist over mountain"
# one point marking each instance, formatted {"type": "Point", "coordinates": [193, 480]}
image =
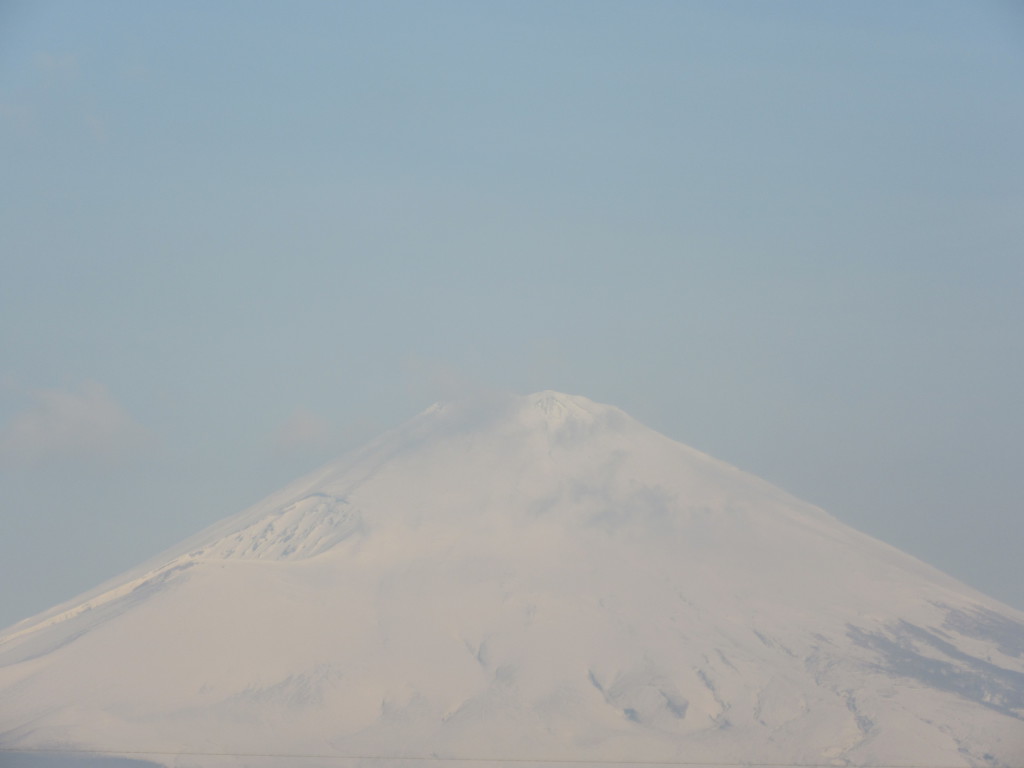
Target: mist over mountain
{"type": "Point", "coordinates": [533, 578]}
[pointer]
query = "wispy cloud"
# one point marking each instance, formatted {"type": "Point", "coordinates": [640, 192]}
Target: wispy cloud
{"type": "Point", "coordinates": [19, 117]}
{"type": "Point", "coordinates": [97, 126]}
{"type": "Point", "coordinates": [86, 425]}
{"type": "Point", "coordinates": [302, 430]}
{"type": "Point", "coordinates": [59, 95]}
{"type": "Point", "coordinates": [57, 67]}
{"type": "Point", "coordinates": [430, 380]}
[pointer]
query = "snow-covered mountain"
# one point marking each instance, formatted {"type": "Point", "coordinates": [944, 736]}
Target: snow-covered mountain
{"type": "Point", "coordinates": [537, 578]}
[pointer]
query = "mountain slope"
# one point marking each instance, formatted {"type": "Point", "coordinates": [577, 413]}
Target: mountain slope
{"type": "Point", "coordinates": [541, 577]}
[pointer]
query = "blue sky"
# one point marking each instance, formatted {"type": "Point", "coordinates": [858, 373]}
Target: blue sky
{"type": "Point", "coordinates": [237, 238]}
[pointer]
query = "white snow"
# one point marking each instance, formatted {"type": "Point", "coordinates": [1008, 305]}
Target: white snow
{"type": "Point", "coordinates": [538, 578]}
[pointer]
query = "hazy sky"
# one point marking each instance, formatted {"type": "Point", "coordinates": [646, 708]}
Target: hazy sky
{"type": "Point", "coordinates": [237, 238]}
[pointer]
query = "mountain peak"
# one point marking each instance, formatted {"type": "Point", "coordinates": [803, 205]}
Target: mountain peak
{"type": "Point", "coordinates": [548, 400]}
{"type": "Point", "coordinates": [546, 412]}
{"type": "Point", "coordinates": [537, 569]}
{"type": "Point", "coordinates": [556, 410]}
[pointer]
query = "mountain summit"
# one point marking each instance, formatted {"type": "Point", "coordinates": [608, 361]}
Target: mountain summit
{"type": "Point", "coordinates": [527, 578]}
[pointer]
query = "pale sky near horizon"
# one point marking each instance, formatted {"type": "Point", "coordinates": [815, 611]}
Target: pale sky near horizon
{"type": "Point", "coordinates": [238, 238]}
